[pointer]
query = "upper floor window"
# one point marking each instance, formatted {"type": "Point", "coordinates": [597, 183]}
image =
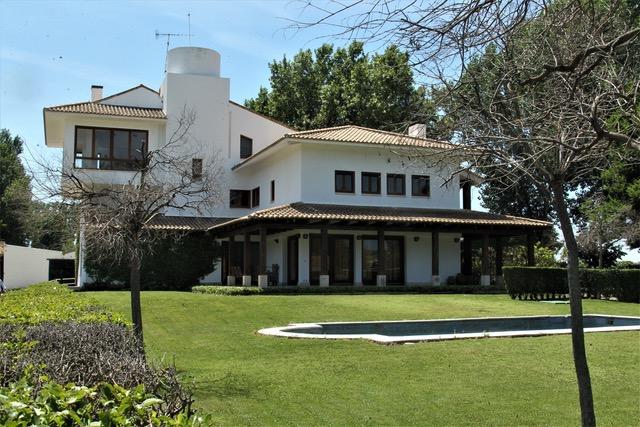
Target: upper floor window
{"type": "Point", "coordinates": [196, 169]}
{"type": "Point", "coordinates": [239, 198]}
{"type": "Point", "coordinates": [420, 185]}
{"type": "Point", "coordinates": [255, 197]}
{"type": "Point", "coordinates": [395, 184]}
{"type": "Point", "coordinates": [106, 148]}
{"type": "Point", "coordinates": [370, 183]}
{"type": "Point", "coordinates": [273, 190]}
{"type": "Point", "coordinates": [246, 147]}
{"type": "Point", "coordinates": [345, 182]}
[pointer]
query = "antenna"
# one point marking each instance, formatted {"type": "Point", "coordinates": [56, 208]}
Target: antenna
{"type": "Point", "coordinates": [189, 19]}
{"type": "Point", "coordinates": [168, 36]}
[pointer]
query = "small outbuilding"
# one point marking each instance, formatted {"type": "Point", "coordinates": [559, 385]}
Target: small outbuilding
{"type": "Point", "coordinates": [21, 266]}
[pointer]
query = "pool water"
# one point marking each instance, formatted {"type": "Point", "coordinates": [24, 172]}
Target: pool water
{"type": "Point", "coordinates": [442, 329]}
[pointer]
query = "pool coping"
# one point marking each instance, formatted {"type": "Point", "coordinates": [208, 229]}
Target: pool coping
{"type": "Point", "coordinates": [282, 331]}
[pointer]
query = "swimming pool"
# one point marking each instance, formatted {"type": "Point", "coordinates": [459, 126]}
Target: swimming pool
{"type": "Point", "coordinates": [389, 332]}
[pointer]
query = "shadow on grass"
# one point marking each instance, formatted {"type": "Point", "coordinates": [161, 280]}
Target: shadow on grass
{"type": "Point", "coordinates": [231, 385]}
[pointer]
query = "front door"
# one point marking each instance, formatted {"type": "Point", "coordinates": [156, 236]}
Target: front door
{"type": "Point", "coordinates": [394, 259]}
{"type": "Point", "coordinates": [292, 260]}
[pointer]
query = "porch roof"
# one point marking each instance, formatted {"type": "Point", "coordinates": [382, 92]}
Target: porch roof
{"type": "Point", "coordinates": [314, 213]}
{"type": "Point", "coordinates": [185, 223]}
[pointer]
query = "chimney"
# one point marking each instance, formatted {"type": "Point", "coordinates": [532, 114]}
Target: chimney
{"type": "Point", "coordinates": [418, 130]}
{"type": "Point", "coordinates": [96, 93]}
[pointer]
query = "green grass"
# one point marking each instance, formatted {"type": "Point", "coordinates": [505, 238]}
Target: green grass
{"type": "Point", "coordinates": [246, 379]}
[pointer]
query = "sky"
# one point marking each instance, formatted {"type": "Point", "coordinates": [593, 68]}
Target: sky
{"type": "Point", "coordinates": [51, 52]}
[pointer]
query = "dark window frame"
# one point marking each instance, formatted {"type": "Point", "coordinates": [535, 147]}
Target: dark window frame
{"type": "Point", "coordinates": [111, 159]}
{"type": "Point", "coordinates": [331, 256]}
{"type": "Point", "coordinates": [364, 177]}
{"type": "Point", "coordinates": [351, 174]}
{"type": "Point", "coordinates": [243, 153]}
{"type": "Point", "coordinates": [413, 188]}
{"type": "Point", "coordinates": [404, 184]}
{"type": "Point", "coordinates": [403, 254]}
{"type": "Point", "coordinates": [255, 197]}
{"type": "Point", "coordinates": [273, 190]}
{"type": "Point", "coordinates": [242, 195]}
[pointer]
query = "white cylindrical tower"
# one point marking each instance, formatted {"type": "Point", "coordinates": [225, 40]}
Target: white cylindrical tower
{"type": "Point", "coordinates": [193, 60]}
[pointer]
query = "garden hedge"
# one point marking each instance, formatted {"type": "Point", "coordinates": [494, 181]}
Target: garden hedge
{"type": "Point", "coordinates": [316, 290]}
{"type": "Point", "coordinates": [65, 360]}
{"type": "Point", "coordinates": [549, 283]}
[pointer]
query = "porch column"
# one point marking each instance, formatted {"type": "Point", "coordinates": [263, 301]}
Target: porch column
{"type": "Point", "coordinates": [231, 278]}
{"type": "Point", "coordinates": [485, 278]}
{"type": "Point", "coordinates": [246, 268]}
{"type": "Point", "coordinates": [467, 256]}
{"type": "Point", "coordinates": [531, 257]}
{"type": "Point", "coordinates": [435, 258]}
{"type": "Point", "coordinates": [499, 253]}
{"type": "Point", "coordinates": [263, 278]}
{"type": "Point", "coordinates": [324, 257]}
{"type": "Point", "coordinates": [381, 278]}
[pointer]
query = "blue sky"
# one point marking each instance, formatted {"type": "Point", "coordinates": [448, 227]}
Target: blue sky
{"type": "Point", "coordinates": [51, 52]}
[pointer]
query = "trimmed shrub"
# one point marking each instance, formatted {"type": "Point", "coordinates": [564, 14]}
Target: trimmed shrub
{"type": "Point", "coordinates": [316, 290]}
{"type": "Point", "coordinates": [544, 283]}
{"type": "Point", "coordinates": [52, 302]}
{"type": "Point", "coordinates": [535, 282]}
{"type": "Point", "coordinates": [50, 335]}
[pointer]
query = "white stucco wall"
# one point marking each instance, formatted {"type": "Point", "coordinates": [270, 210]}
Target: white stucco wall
{"type": "Point", "coordinates": [138, 97]}
{"type": "Point", "coordinates": [320, 161]}
{"type": "Point", "coordinates": [25, 266]}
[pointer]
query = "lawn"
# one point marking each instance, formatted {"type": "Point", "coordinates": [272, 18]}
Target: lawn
{"type": "Point", "coordinates": [246, 379]}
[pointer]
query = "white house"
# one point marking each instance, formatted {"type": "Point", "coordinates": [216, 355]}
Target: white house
{"type": "Point", "coordinates": [321, 207]}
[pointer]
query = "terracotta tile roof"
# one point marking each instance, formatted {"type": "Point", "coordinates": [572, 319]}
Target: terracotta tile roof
{"type": "Point", "coordinates": [109, 110]}
{"type": "Point", "coordinates": [371, 214]}
{"type": "Point", "coordinates": [185, 223]}
{"type": "Point", "coordinates": [362, 135]}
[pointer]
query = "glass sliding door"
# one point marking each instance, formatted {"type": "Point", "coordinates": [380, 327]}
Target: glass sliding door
{"type": "Point", "coordinates": [292, 260]}
{"type": "Point", "coordinates": [340, 264]}
{"type": "Point", "coordinates": [394, 260]}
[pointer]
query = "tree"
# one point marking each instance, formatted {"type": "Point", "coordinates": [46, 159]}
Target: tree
{"type": "Point", "coordinates": [52, 225]}
{"type": "Point", "coordinates": [15, 190]}
{"type": "Point", "coordinates": [115, 218]}
{"type": "Point", "coordinates": [598, 241]}
{"type": "Point", "coordinates": [531, 88]}
{"type": "Point", "coordinates": [344, 86]}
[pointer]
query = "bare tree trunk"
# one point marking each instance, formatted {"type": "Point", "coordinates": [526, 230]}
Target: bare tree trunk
{"type": "Point", "coordinates": [575, 298]}
{"type": "Point", "coordinates": [600, 251]}
{"type": "Point", "coordinates": [136, 310]}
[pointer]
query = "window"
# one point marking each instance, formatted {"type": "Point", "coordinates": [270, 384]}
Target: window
{"type": "Point", "coordinates": [106, 148]}
{"type": "Point", "coordinates": [370, 183]}
{"type": "Point", "coordinates": [420, 185]}
{"type": "Point", "coordinates": [246, 147]}
{"type": "Point", "coordinates": [255, 197]}
{"type": "Point", "coordinates": [196, 168]}
{"type": "Point", "coordinates": [239, 198]}
{"type": "Point", "coordinates": [273, 190]}
{"type": "Point", "coordinates": [395, 184]}
{"type": "Point", "coordinates": [345, 182]}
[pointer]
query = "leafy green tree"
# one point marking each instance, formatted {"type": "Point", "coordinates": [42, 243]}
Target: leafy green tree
{"type": "Point", "coordinates": [334, 87]}
{"type": "Point", "coordinates": [15, 191]}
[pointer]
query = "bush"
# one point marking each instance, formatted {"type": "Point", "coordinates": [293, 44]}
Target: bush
{"type": "Point", "coordinates": [226, 290]}
{"type": "Point", "coordinates": [541, 283]}
{"type": "Point", "coordinates": [174, 263]}
{"type": "Point", "coordinates": [52, 302]}
{"type": "Point", "coordinates": [50, 335]}
{"type": "Point", "coordinates": [535, 282]}
{"type": "Point", "coordinates": [316, 290]}
{"type": "Point", "coordinates": [105, 404]}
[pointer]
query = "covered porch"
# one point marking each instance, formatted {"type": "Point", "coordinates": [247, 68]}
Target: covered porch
{"type": "Point", "coordinates": [324, 245]}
